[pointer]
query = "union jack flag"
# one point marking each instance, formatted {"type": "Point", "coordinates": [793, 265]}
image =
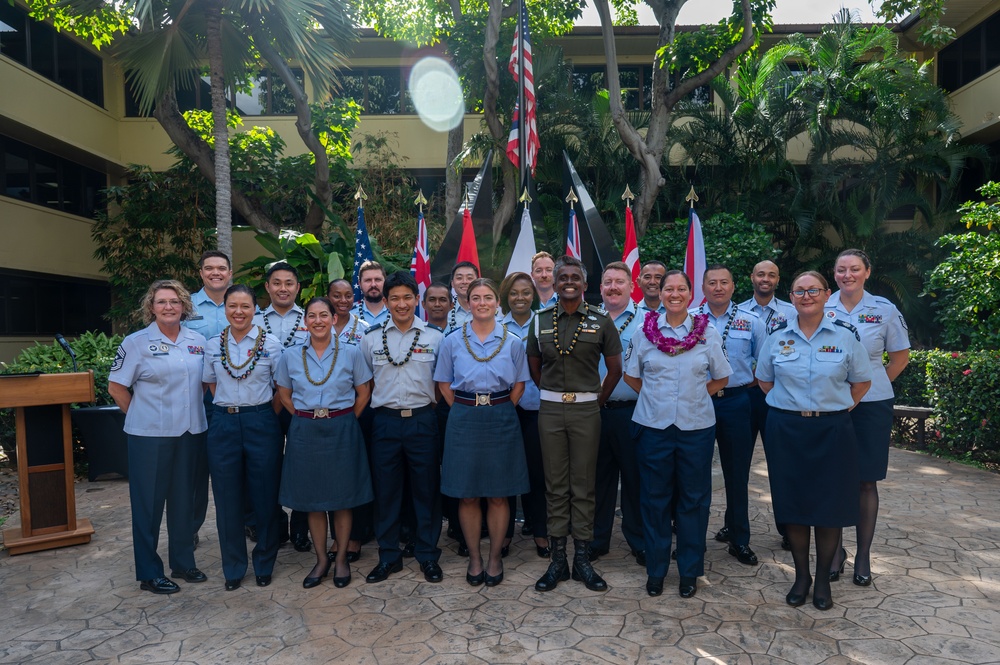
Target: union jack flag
{"type": "Point", "coordinates": [420, 264]}
{"type": "Point", "coordinates": [573, 236]}
{"type": "Point", "coordinates": [520, 62]}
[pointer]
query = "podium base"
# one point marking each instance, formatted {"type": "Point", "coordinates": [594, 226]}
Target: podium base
{"type": "Point", "coordinates": [16, 543]}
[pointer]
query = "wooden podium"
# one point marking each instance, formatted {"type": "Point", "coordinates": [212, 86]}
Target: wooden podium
{"type": "Point", "coordinates": [45, 459]}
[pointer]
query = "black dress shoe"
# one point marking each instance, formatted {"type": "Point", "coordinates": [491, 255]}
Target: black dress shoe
{"type": "Point", "coordinates": [493, 580]}
{"type": "Point", "coordinates": [381, 572]}
{"type": "Point", "coordinates": [409, 549]}
{"type": "Point", "coordinates": [654, 586]}
{"type": "Point", "coordinates": [688, 587]}
{"type": "Point", "coordinates": [251, 533]}
{"type": "Point", "coordinates": [300, 542]}
{"type": "Point", "coordinates": [432, 571]}
{"type": "Point", "coordinates": [743, 554]}
{"type": "Point", "coordinates": [352, 557]}
{"type": "Point", "coordinates": [862, 580]}
{"type": "Point", "coordinates": [835, 574]}
{"type": "Point", "coordinates": [341, 582]}
{"type": "Point", "coordinates": [723, 535]}
{"type": "Point", "coordinates": [504, 551]}
{"type": "Point", "coordinates": [192, 575]}
{"type": "Point", "coordinates": [798, 599]}
{"type": "Point", "coordinates": [595, 553]}
{"type": "Point", "coordinates": [263, 580]}
{"type": "Point", "coordinates": [234, 584]}
{"type": "Point", "coordinates": [463, 549]}
{"type": "Point", "coordinates": [310, 582]}
{"type": "Point", "coordinates": [475, 580]}
{"type": "Point", "coordinates": [159, 585]}
{"type": "Point", "coordinates": [543, 551]}
{"type": "Point", "coordinates": [822, 604]}
{"type": "Point", "coordinates": [640, 557]}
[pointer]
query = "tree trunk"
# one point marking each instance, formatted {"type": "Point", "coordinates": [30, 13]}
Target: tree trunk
{"type": "Point", "coordinates": [453, 176]}
{"type": "Point", "coordinates": [508, 202]}
{"type": "Point", "coordinates": [223, 181]}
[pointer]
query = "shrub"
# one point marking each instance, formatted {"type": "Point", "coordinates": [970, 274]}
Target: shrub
{"type": "Point", "coordinates": [910, 386]}
{"type": "Point", "coordinates": [965, 395]}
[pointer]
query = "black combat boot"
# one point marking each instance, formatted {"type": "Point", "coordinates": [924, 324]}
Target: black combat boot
{"type": "Point", "coordinates": [558, 569]}
{"type": "Point", "coordinates": [583, 571]}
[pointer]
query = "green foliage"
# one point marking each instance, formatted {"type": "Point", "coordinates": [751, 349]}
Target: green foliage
{"type": "Point", "coordinates": [317, 263]}
{"type": "Point", "coordinates": [731, 240]}
{"type": "Point", "coordinates": [695, 51]}
{"type": "Point", "coordinates": [910, 387]}
{"type": "Point", "coordinates": [99, 27]}
{"type": "Point", "coordinates": [965, 395]}
{"type": "Point", "coordinates": [966, 285]}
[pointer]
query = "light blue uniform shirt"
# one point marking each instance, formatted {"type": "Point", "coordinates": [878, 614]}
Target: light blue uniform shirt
{"type": "Point", "coordinates": [773, 313]}
{"type": "Point", "coordinates": [743, 341]}
{"type": "Point", "coordinates": [813, 374]}
{"type": "Point", "coordinates": [553, 299]}
{"type": "Point", "coordinates": [337, 392]}
{"type": "Point", "coordinates": [290, 329]}
{"type": "Point", "coordinates": [627, 323]}
{"type": "Point", "coordinates": [457, 316]}
{"type": "Point", "coordinates": [165, 378]}
{"type": "Point", "coordinates": [643, 308]}
{"type": "Point", "coordinates": [353, 331]}
{"type": "Point", "coordinates": [410, 385]}
{"type": "Point", "coordinates": [530, 400]}
{"type": "Point", "coordinates": [882, 328]}
{"type": "Point", "coordinates": [258, 388]}
{"type": "Point", "coordinates": [674, 390]}
{"type": "Point", "coordinates": [362, 312]}
{"type": "Point", "coordinates": [208, 318]}
{"type": "Point", "coordinates": [457, 367]}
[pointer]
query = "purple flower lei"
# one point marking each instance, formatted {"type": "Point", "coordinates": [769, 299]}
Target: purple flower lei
{"type": "Point", "coordinates": [669, 345]}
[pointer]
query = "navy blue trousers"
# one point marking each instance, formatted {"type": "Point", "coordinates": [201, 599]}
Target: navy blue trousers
{"type": "Point", "coordinates": [406, 448]}
{"type": "Point", "coordinates": [616, 460]}
{"type": "Point", "coordinates": [160, 471]}
{"type": "Point", "coordinates": [736, 443]}
{"type": "Point", "coordinates": [533, 503]}
{"type": "Point", "coordinates": [244, 459]}
{"type": "Point", "coordinates": [199, 481]}
{"type": "Point", "coordinates": [678, 464]}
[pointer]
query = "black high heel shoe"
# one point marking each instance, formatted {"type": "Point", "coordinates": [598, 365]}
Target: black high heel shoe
{"type": "Point", "coordinates": [341, 582]}
{"type": "Point", "coordinates": [798, 599]}
{"type": "Point", "coordinates": [310, 582]}
{"type": "Point", "coordinates": [477, 579]}
{"type": "Point", "coordinates": [835, 574]}
{"type": "Point", "coordinates": [862, 580]}
{"type": "Point", "coordinates": [493, 580]}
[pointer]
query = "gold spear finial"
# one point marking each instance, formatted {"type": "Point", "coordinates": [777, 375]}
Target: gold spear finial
{"type": "Point", "coordinates": [360, 196]}
{"type": "Point", "coordinates": [692, 198]}
{"type": "Point", "coordinates": [420, 201]}
{"type": "Point", "coordinates": [571, 198]}
{"type": "Point", "coordinates": [467, 197]}
{"type": "Point", "coordinates": [525, 198]}
{"type": "Point", "coordinates": [628, 195]}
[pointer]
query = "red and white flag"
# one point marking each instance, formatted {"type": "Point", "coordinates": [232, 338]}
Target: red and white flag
{"type": "Point", "coordinates": [694, 258]}
{"type": "Point", "coordinates": [573, 236]}
{"type": "Point", "coordinates": [630, 254]}
{"type": "Point", "coordinates": [520, 61]}
{"type": "Point", "coordinates": [420, 264]}
{"type": "Point", "coordinates": [467, 249]}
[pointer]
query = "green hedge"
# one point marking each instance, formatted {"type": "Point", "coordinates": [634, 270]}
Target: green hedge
{"type": "Point", "coordinates": [910, 386]}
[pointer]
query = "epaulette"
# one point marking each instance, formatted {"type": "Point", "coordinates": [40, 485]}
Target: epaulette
{"type": "Point", "coordinates": [780, 325]}
{"type": "Point", "coordinates": [446, 334]}
{"type": "Point", "coordinates": [374, 328]}
{"type": "Point", "coordinates": [845, 324]}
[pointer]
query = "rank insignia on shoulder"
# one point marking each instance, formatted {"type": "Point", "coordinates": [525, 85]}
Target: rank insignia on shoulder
{"type": "Point", "coordinates": [437, 328]}
{"type": "Point", "coordinates": [776, 326]}
{"type": "Point", "coordinates": [374, 328]}
{"type": "Point", "coordinates": [845, 324]}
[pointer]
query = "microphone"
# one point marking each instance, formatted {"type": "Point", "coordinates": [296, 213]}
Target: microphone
{"type": "Point", "coordinates": [67, 348]}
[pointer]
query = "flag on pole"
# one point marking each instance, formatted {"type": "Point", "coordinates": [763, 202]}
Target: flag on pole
{"type": "Point", "coordinates": [573, 236]}
{"type": "Point", "coordinates": [524, 246]}
{"type": "Point", "coordinates": [630, 254]}
{"type": "Point", "coordinates": [694, 258]}
{"type": "Point", "coordinates": [420, 264]}
{"type": "Point", "coordinates": [362, 252]}
{"type": "Point", "coordinates": [520, 61]}
{"type": "Point", "coordinates": [467, 250]}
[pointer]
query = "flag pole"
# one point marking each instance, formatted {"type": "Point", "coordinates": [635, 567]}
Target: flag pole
{"type": "Point", "coordinates": [522, 136]}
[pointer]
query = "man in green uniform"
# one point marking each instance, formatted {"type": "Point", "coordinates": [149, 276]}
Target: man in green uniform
{"type": "Point", "coordinates": [565, 345]}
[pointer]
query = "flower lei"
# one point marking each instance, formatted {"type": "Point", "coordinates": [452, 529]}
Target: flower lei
{"type": "Point", "coordinates": [225, 357]}
{"type": "Point", "coordinates": [468, 347]}
{"type": "Point", "coordinates": [669, 345]}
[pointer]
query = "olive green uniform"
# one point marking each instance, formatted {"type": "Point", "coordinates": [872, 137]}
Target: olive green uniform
{"type": "Point", "coordinates": [569, 417]}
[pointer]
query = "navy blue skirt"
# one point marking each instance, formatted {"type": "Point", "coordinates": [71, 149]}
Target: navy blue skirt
{"type": "Point", "coordinates": [326, 465]}
{"type": "Point", "coordinates": [873, 427]}
{"type": "Point", "coordinates": [483, 453]}
{"type": "Point", "coordinates": [812, 466]}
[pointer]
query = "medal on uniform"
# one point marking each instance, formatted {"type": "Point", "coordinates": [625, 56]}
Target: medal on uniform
{"type": "Point", "coordinates": [787, 348]}
{"type": "Point", "coordinates": [164, 348]}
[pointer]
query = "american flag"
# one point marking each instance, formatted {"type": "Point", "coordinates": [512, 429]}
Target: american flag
{"type": "Point", "coordinates": [420, 264]}
{"type": "Point", "coordinates": [362, 252]}
{"type": "Point", "coordinates": [573, 236]}
{"type": "Point", "coordinates": [517, 61]}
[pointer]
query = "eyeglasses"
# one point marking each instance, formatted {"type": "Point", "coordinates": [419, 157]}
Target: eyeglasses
{"type": "Point", "coordinates": [164, 303]}
{"type": "Point", "coordinates": [800, 293]}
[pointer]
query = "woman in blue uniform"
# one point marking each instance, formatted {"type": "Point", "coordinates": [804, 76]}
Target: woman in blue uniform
{"type": "Point", "coordinates": [164, 420]}
{"type": "Point", "coordinates": [813, 370]}
{"type": "Point", "coordinates": [324, 385]}
{"type": "Point", "coordinates": [481, 372]}
{"type": "Point", "coordinates": [518, 297]}
{"type": "Point", "coordinates": [883, 330]}
{"type": "Point", "coordinates": [675, 364]}
{"type": "Point", "coordinates": [244, 437]}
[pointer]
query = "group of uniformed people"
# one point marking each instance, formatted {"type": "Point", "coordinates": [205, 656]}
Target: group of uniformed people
{"type": "Point", "coordinates": [361, 416]}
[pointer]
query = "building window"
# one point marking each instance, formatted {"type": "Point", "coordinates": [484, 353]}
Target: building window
{"type": "Point", "coordinates": [33, 304]}
{"type": "Point", "coordinates": [36, 176]}
{"type": "Point", "coordinates": [378, 90]}
{"type": "Point", "coordinates": [266, 94]}
{"type": "Point", "coordinates": [970, 56]}
{"type": "Point", "coordinates": [41, 49]}
{"type": "Point", "coordinates": [636, 85]}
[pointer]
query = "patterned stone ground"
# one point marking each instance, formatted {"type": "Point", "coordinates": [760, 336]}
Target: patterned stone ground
{"type": "Point", "coordinates": [935, 599]}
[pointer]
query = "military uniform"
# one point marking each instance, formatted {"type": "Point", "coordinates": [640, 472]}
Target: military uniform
{"type": "Point", "coordinates": [774, 312]}
{"type": "Point", "coordinates": [362, 312]}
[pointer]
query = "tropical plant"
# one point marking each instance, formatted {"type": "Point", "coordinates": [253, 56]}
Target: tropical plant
{"type": "Point", "coordinates": [317, 263]}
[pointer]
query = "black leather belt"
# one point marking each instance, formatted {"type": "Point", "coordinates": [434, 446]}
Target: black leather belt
{"type": "Point", "coordinates": [809, 414]}
{"type": "Point", "coordinates": [481, 399]}
{"type": "Point", "coordinates": [731, 391]}
{"type": "Point", "coordinates": [244, 409]}
{"type": "Point", "coordinates": [619, 404]}
{"type": "Point", "coordinates": [403, 413]}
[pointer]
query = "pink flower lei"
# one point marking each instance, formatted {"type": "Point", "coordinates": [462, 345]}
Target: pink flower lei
{"type": "Point", "coordinates": [669, 345]}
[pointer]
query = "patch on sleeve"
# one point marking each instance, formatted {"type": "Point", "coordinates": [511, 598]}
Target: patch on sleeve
{"type": "Point", "coordinates": [628, 352]}
{"type": "Point", "coordinates": [902, 322]}
{"type": "Point", "coordinates": [119, 359]}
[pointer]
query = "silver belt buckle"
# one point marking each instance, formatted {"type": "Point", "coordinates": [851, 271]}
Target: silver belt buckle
{"type": "Point", "coordinates": [321, 413]}
{"type": "Point", "coordinates": [232, 409]}
{"type": "Point", "coordinates": [483, 400]}
{"type": "Point", "coordinates": [809, 414]}
{"type": "Point", "coordinates": [406, 413]}
{"type": "Point", "coordinates": [721, 393]}
{"type": "Point", "coordinates": [569, 398]}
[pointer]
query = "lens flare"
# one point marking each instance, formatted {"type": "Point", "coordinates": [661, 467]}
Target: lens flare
{"type": "Point", "coordinates": [437, 94]}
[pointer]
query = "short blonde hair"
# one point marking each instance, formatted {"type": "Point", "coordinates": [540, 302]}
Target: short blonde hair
{"type": "Point", "coordinates": [541, 255]}
{"type": "Point", "coordinates": [146, 304]}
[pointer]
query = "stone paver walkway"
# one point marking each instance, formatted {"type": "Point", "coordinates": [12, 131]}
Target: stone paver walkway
{"type": "Point", "coordinates": [935, 598]}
